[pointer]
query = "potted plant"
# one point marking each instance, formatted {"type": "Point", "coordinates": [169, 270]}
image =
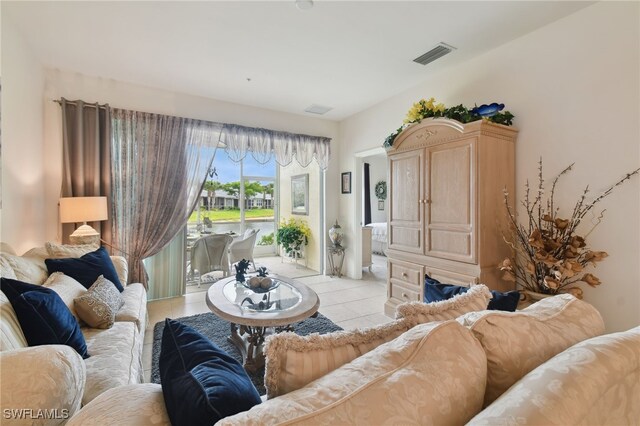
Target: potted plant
{"type": "Point", "coordinates": [292, 235]}
{"type": "Point", "coordinates": [550, 255]}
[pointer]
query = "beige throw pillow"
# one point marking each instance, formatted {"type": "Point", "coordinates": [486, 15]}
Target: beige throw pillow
{"type": "Point", "coordinates": [6, 270]}
{"type": "Point", "coordinates": [63, 251]}
{"type": "Point", "coordinates": [67, 288]}
{"type": "Point", "coordinates": [120, 264]}
{"type": "Point", "coordinates": [292, 361]}
{"type": "Point", "coordinates": [98, 307]}
{"type": "Point", "coordinates": [11, 335]}
{"type": "Point", "coordinates": [476, 299]}
{"type": "Point", "coordinates": [41, 380]}
{"type": "Point", "coordinates": [517, 342]}
{"type": "Point", "coordinates": [6, 248]}
{"type": "Point", "coordinates": [594, 382]}
{"type": "Point", "coordinates": [25, 268]}
{"type": "Point", "coordinates": [433, 374]}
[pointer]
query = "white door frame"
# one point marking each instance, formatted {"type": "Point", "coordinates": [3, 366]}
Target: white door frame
{"type": "Point", "coordinates": [359, 201]}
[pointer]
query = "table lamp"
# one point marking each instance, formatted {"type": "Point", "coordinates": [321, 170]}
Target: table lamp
{"type": "Point", "coordinates": [83, 209]}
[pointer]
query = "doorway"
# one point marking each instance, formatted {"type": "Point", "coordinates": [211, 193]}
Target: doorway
{"type": "Point", "coordinates": [372, 232]}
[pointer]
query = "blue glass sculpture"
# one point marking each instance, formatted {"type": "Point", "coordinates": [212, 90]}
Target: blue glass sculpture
{"type": "Point", "coordinates": [487, 110]}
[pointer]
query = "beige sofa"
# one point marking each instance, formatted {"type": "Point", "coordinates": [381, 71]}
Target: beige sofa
{"type": "Point", "coordinates": [54, 377]}
{"type": "Point", "coordinates": [546, 364]}
{"type": "Point", "coordinates": [541, 365]}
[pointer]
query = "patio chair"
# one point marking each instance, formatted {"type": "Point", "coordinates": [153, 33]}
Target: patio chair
{"type": "Point", "coordinates": [242, 247]}
{"type": "Point", "coordinates": [209, 254]}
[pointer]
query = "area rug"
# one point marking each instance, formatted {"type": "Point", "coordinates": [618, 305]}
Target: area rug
{"type": "Point", "coordinates": [217, 330]}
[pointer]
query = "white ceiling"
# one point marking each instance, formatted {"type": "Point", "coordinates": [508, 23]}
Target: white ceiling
{"type": "Point", "coordinates": [346, 55]}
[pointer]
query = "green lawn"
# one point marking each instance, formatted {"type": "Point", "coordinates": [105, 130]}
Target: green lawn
{"type": "Point", "coordinates": [231, 215]}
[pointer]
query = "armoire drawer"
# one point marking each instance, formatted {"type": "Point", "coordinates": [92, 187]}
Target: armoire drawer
{"type": "Point", "coordinates": [451, 277]}
{"type": "Point", "coordinates": [410, 274]}
{"type": "Point", "coordinates": [404, 294]}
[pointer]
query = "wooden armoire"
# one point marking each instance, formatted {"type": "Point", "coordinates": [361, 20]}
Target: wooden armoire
{"type": "Point", "coordinates": [446, 213]}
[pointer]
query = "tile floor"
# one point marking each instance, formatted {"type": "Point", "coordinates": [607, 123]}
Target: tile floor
{"type": "Point", "coordinates": [349, 303]}
{"type": "Point", "coordinates": [274, 264]}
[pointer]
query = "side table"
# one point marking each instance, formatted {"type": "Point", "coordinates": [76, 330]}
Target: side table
{"type": "Point", "coordinates": [335, 253]}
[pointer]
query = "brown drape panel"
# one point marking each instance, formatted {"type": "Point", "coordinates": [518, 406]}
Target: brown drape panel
{"type": "Point", "coordinates": [86, 145]}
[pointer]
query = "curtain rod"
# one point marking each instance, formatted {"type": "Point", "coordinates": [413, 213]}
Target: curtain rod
{"type": "Point", "coordinates": [59, 102]}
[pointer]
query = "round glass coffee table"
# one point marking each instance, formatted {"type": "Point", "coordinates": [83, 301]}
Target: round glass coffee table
{"type": "Point", "coordinates": [256, 313]}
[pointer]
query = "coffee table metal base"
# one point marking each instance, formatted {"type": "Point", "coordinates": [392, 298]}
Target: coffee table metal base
{"type": "Point", "coordinates": [250, 341]}
{"type": "Point", "coordinates": [250, 326]}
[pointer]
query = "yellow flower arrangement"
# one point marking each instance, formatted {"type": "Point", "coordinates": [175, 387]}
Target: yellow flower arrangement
{"type": "Point", "coordinates": [432, 109]}
{"type": "Point", "coordinates": [422, 109]}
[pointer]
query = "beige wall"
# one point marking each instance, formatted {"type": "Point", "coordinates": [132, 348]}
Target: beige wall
{"type": "Point", "coordinates": [23, 209]}
{"type": "Point", "coordinates": [313, 250]}
{"type": "Point", "coordinates": [574, 88]}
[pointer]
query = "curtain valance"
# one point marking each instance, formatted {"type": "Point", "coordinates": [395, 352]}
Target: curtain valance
{"type": "Point", "coordinates": [264, 143]}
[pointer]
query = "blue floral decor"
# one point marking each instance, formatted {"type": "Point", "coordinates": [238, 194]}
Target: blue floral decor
{"type": "Point", "coordinates": [430, 109]}
{"type": "Point", "coordinates": [241, 269]}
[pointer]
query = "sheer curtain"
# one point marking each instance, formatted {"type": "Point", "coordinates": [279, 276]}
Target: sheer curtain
{"type": "Point", "coordinates": [265, 143]}
{"type": "Point", "coordinates": [86, 151]}
{"type": "Point", "coordinates": [159, 166]}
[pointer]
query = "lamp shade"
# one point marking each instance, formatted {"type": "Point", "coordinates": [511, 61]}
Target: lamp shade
{"type": "Point", "coordinates": [83, 209]}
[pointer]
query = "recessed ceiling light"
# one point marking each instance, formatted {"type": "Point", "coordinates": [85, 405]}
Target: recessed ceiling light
{"type": "Point", "coordinates": [304, 4]}
{"type": "Point", "coordinates": [318, 109]}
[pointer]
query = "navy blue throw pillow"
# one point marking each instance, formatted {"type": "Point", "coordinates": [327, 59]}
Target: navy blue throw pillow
{"type": "Point", "coordinates": [43, 316]}
{"type": "Point", "coordinates": [201, 383]}
{"type": "Point", "coordinates": [435, 291]}
{"type": "Point", "coordinates": [87, 268]}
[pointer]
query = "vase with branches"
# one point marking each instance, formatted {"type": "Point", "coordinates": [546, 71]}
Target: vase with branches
{"type": "Point", "coordinates": [550, 256]}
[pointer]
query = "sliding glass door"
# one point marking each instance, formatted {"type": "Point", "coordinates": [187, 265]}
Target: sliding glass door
{"type": "Point", "coordinates": [260, 212]}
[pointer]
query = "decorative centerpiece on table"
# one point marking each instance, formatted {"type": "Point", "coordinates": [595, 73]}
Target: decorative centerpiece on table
{"type": "Point", "coordinates": [292, 235]}
{"type": "Point", "coordinates": [430, 109]}
{"type": "Point", "coordinates": [549, 255]}
{"type": "Point", "coordinates": [259, 283]}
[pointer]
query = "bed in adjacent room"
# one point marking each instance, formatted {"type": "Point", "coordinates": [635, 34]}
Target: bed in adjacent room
{"type": "Point", "coordinates": [378, 237]}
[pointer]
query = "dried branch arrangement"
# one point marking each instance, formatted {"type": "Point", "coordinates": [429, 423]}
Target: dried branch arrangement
{"type": "Point", "coordinates": [549, 256]}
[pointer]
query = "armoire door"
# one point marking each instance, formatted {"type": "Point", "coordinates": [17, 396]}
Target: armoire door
{"type": "Point", "coordinates": [406, 209]}
{"type": "Point", "coordinates": [450, 215]}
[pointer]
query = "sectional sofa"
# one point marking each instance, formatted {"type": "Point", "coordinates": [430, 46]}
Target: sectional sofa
{"type": "Point", "coordinates": [55, 377]}
{"type": "Point", "coordinates": [546, 364]}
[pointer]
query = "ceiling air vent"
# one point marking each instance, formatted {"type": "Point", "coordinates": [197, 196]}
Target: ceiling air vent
{"type": "Point", "coordinates": [318, 109]}
{"type": "Point", "coordinates": [437, 52]}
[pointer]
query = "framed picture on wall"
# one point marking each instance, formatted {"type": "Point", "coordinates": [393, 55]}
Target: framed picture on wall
{"type": "Point", "coordinates": [346, 183]}
{"type": "Point", "coordinates": [380, 204]}
{"type": "Point", "coordinates": [300, 194]}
